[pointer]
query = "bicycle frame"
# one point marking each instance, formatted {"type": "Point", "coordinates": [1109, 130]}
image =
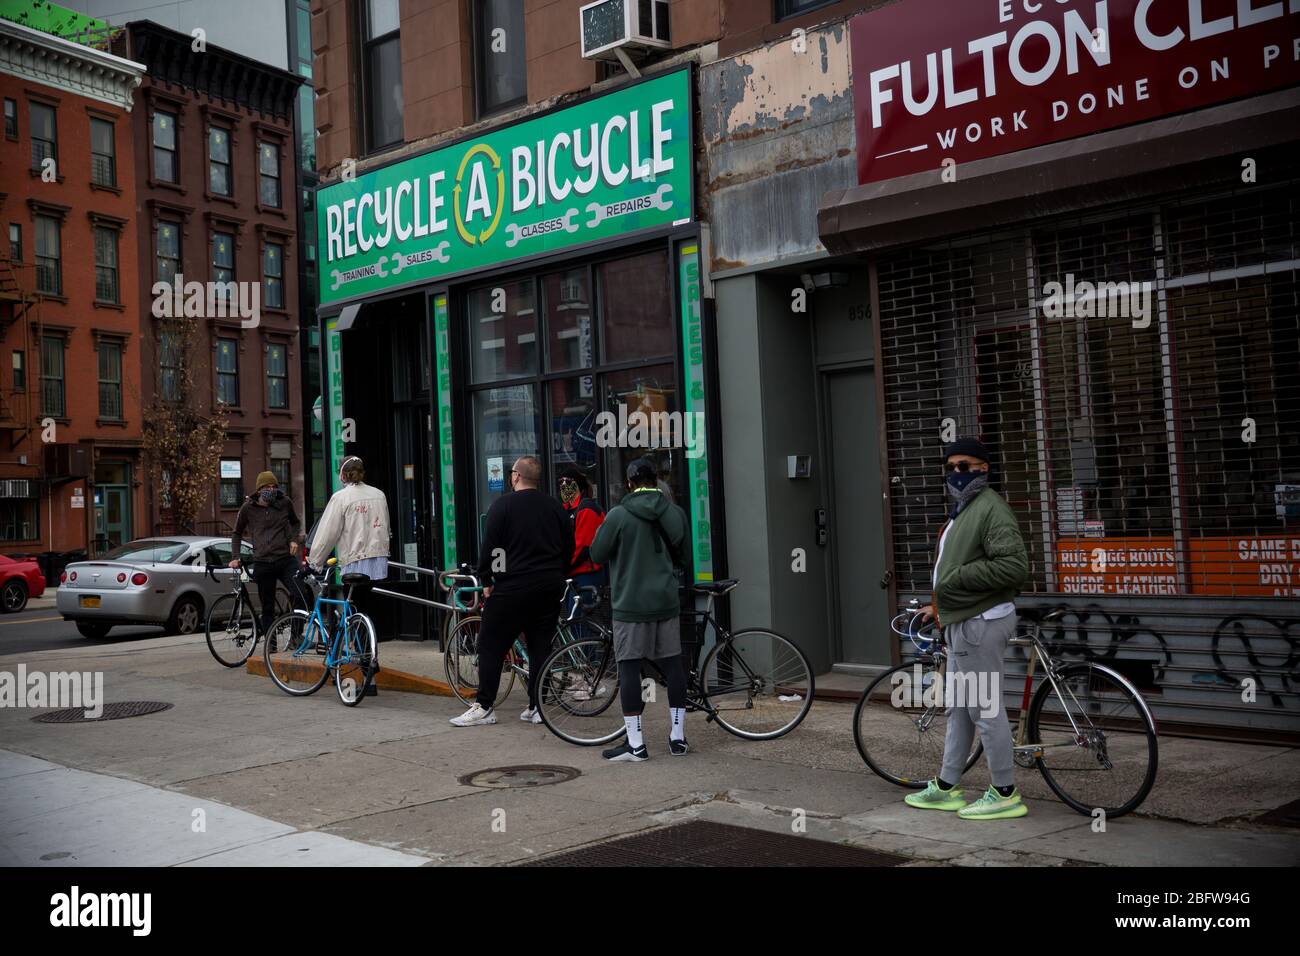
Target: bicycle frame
{"type": "Point", "coordinates": [336, 653]}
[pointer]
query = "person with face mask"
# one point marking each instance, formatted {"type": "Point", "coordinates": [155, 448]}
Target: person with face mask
{"type": "Point", "coordinates": [981, 564]}
{"type": "Point", "coordinates": [269, 519]}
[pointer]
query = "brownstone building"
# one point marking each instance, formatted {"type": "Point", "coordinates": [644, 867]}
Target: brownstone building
{"type": "Point", "coordinates": [70, 415]}
{"type": "Point", "coordinates": [217, 205]}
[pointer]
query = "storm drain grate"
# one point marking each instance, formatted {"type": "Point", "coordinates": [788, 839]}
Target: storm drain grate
{"type": "Point", "coordinates": [703, 843]}
{"type": "Point", "coordinates": [114, 711]}
{"type": "Point", "coordinates": [1287, 815]}
{"type": "Point", "coordinates": [526, 776]}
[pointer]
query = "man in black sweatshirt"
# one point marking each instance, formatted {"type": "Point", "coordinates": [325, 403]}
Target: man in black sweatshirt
{"type": "Point", "coordinates": [526, 549]}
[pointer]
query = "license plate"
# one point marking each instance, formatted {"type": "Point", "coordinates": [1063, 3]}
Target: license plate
{"type": "Point", "coordinates": [89, 600]}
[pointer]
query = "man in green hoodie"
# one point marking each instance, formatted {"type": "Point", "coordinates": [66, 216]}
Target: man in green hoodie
{"type": "Point", "coordinates": [980, 566]}
{"type": "Point", "coordinates": [640, 541]}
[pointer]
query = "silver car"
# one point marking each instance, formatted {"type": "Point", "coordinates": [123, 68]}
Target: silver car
{"type": "Point", "coordinates": [161, 581]}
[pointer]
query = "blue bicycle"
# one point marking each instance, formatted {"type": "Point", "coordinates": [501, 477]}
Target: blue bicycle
{"type": "Point", "coordinates": [302, 649]}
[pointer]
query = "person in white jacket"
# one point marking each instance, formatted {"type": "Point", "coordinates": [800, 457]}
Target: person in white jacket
{"type": "Point", "coordinates": [356, 522]}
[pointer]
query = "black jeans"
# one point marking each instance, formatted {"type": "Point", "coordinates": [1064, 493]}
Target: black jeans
{"type": "Point", "coordinates": [534, 614]}
{"type": "Point", "coordinates": [266, 574]}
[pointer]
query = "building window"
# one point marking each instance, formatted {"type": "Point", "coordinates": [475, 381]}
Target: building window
{"type": "Point", "coordinates": [20, 371]}
{"type": "Point", "coordinates": [169, 251]}
{"type": "Point", "coordinates": [11, 118]}
{"type": "Point", "coordinates": [165, 167]}
{"type": "Point", "coordinates": [15, 242]}
{"type": "Point", "coordinates": [45, 143]}
{"type": "Point", "coordinates": [19, 519]}
{"type": "Point", "coordinates": [500, 68]}
{"type": "Point", "coordinates": [793, 8]}
{"type": "Point", "coordinates": [219, 181]}
{"type": "Point", "coordinates": [169, 366]}
{"type": "Point", "coordinates": [277, 376]}
{"type": "Point", "coordinates": [232, 486]}
{"type": "Point", "coordinates": [228, 371]}
{"type": "Point", "coordinates": [49, 270]}
{"type": "Point", "coordinates": [273, 275]}
{"type": "Point", "coordinates": [268, 174]}
{"type": "Point", "coordinates": [381, 64]}
{"type": "Point", "coordinates": [52, 376]}
{"type": "Point", "coordinates": [280, 468]}
{"type": "Point", "coordinates": [223, 262]}
{"type": "Point", "coordinates": [103, 153]}
{"type": "Point", "coordinates": [106, 265]}
{"type": "Point", "coordinates": [110, 380]}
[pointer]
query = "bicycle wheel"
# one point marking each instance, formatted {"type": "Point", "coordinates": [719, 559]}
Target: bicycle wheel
{"type": "Point", "coordinates": [899, 728]}
{"type": "Point", "coordinates": [231, 629]}
{"type": "Point", "coordinates": [461, 662]}
{"type": "Point", "coordinates": [1110, 763]}
{"type": "Point", "coordinates": [758, 683]}
{"type": "Point", "coordinates": [577, 690]}
{"type": "Point", "coordinates": [294, 653]}
{"type": "Point", "coordinates": [355, 672]}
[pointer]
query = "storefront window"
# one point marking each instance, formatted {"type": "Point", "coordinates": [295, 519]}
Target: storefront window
{"type": "Point", "coordinates": [567, 301]}
{"type": "Point", "coordinates": [506, 425]}
{"type": "Point", "coordinates": [503, 331]}
{"type": "Point", "coordinates": [571, 405]}
{"type": "Point", "coordinates": [635, 312]}
{"type": "Point", "coordinates": [645, 414]}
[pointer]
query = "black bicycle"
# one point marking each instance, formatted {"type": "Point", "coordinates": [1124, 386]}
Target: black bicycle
{"type": "Point", "coordinates": [754, 682]}
{"type": "Point", "coordinates": [232, 628]}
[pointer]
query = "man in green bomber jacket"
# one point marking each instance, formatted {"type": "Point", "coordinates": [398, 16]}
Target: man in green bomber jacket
{"type": "Point", "coordinates": [980, 565]}
{"type": "Point", "coordinates": [641, 540]}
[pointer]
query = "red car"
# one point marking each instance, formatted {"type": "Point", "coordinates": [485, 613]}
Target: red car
{"type": "Point", "coordinates": [19, 580]}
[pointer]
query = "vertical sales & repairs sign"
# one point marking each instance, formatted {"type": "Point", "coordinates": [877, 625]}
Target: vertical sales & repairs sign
{"type": "Point", "coordinates": [935, 80]}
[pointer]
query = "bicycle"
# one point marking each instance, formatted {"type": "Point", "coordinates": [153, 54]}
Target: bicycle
{"type": "Point", "coordinates": [1084, 719]}
{"type": "Point", "coordinates": [757, 684]}
{"type": "Point", "coordinates": [231, 626]}
{"type": "Point", "coordinates": [460, 660]}
{"type": "Point", "coordinates": [348, 648]}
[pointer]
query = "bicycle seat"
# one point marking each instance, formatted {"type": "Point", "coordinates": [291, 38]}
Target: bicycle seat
{"type": "Point", "coordinates": [716, 587]}
{"type": "Point", "coordinates": [1054, 615]}
{"type": "Point", "coordinates": [355, 578]}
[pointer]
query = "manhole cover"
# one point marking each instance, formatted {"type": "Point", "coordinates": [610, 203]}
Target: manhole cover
{"type": "Point", "coordinates": [702, 843]}
{"type": "Point", "coordinates": [1287, 815]}
{"type": "Point", "coordinates": [532, 776]}
{"type": "Point", "coordinates": [115, 711]}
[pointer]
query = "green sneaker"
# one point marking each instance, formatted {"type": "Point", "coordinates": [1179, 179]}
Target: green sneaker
{"type": "Point", "coordinates": [932, 798]}
{"type": "Point", "coordinates": [994, 806]}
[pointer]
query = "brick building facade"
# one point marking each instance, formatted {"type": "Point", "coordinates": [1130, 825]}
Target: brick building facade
{"type": "Point", "coordinates": [70, 417]}
{"type": "Point", "coordinates": [217, 203]}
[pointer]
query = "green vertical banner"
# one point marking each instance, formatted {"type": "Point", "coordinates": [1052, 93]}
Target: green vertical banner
{"type": "Point", "coordinates": [334, 399]}
{"type": "Point", "coordinates": [688, 271]}
{"type": "Point", "coordinates": [446, 471]}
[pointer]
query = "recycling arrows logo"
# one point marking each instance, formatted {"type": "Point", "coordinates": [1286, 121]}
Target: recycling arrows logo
{"type": "Point", "coordinates": [469, 237]}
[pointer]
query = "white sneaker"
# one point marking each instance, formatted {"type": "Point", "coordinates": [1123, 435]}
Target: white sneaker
{"type": "Point", "coordinates": [531, 716]}
{"type": "Point", "coordinates": [474, 717]}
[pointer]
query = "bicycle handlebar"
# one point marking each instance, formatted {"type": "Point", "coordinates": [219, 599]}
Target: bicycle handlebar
{"type": "Point", "coordinates": [451, 582]}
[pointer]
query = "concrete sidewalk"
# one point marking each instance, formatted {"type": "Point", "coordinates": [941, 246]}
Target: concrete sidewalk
{"type": "Point", "coordinates": [388, 774]}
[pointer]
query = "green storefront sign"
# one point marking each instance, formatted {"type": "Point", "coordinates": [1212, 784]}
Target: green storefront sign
{"type": "Point", "coordinates": [614, 164]}
{"type": "Point", "coordinates": [688, 277]}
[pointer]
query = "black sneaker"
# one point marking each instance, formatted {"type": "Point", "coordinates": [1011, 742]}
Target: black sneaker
{"type": "Point", "coordinates": [626, 751]}
{"type": "Point", "coordinates": [679, 748]}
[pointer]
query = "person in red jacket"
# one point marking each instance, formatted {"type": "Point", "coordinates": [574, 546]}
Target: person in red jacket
{"type": "Point", "coordinates": [587, 515]}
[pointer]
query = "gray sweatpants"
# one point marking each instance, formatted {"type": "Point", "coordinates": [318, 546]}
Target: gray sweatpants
{"type": "Point", "coordinates": [975, 649]}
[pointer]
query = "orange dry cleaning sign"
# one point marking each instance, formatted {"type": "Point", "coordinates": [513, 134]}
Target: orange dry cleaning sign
{"type": "Point", "coordinates": [1264, 566]}
{"type": "Point", "coordinates": [1116, 565]}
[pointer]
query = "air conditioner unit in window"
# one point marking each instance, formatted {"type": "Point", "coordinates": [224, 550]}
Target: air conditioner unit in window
{"type": "Point", "coordinates": [612, 25]}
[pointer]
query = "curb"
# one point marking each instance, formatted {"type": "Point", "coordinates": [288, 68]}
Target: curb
{"type": "Point", "coordinates": [386, 679]}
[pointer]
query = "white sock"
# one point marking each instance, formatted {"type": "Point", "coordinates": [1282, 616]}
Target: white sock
{"type": "Point", "coordinates": [633, 730]}
{"type": "Point", "coordinates": [679, 723]}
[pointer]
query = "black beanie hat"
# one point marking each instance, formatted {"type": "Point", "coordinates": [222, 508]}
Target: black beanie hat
{"type": "Point", "coordinates": [968, 446]}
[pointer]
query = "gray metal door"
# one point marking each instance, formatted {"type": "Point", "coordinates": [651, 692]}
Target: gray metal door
{"type": "Point", "coordinates": [857, 551]}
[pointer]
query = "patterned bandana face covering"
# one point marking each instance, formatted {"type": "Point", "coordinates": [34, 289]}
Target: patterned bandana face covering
{"type": "Point", "coordinates": [568, 492]}
{"type": "Point", "coordinates": [268, 495]}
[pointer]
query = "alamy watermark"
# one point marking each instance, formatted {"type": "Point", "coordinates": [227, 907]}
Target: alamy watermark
{"type": "Point", "coordinates": [214, 300]}
{"type": "Point", "coordinates": [66, 689]}
{"type": "Point", "coordinates": [921, 688]}
{"type": "Point", "coordinates": [1102, 300]}
{"type": "Point", "coordinates": [75, 908]}
{"type": "Point", "coordinates": [651, 430]}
